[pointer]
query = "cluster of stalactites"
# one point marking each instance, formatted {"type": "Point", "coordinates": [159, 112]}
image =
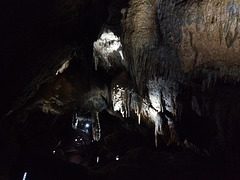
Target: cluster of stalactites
{"type": "Point", "coordinates": [161, 98]}
{"type": "Point", "coordinates": [121, 98]}
{"type": "Point", "coordinates": [108, 49]}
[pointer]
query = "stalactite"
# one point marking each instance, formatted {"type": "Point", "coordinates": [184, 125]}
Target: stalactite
{"type": "Point", "coordinates": [121, 98]}
{"type": "Point", "coordinates": [156, 133]}
{"type": "Point", "coordinates": [162, 98]}
{"type": "Point", "coordinates": [195, 105]}
{"type": "Point", "coordinates": [139, 118]}
{"type": "Point", "coordinates": [209, 79]}
{"type": "Point", "coordinates": [125, 101]}
{"type": "Point", "coordinates": [108, 49]}
{"type": "Point", "coordinates": [117, 99]}
{"type": "Point", "coordinates": [171, 127]}
{"type": "Point", "coordinates": [133, 104]}
{"type": "Point", "coordinates": [154, 94]}
{"type": "Point", "coordinates": [96, 129]}
{"type": "Point", "coordinates": [96, 61]}
{"type": "Point", "coordinates": [158, 124]}
{"type": "Point", "coordinates": [129, 103]}
{"type": "Point", "coordinates": [139, 108]}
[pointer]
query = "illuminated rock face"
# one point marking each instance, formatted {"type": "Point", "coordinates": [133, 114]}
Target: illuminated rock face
{"type": "Point", "coordinates": [180, 54]}
{"type": "Point", "coordinates": [150, 108]}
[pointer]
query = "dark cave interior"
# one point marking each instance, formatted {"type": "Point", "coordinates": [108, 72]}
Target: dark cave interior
{"type": "Point", "coordinates": [120, 89]}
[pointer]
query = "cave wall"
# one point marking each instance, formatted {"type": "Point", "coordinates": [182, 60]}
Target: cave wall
{"type": "Point", "coordinates": [189, 34]}
{"type": "Point", "coordinates": [183, 58]}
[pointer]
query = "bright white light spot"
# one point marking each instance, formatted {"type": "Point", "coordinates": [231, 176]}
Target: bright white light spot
{"type": "Point", "coordinates": [24, 176]}
{"type": "Point", "coordinates": [97, 159]}
{"type": "Point", "coordinates": [76, 140]}
{"type": "Point", "coordinates": [54, 152]}
{"type": "Point", "coordinates": [87, 125]}
{"type": "Point", "coordinates": [63, 67]}
{"type": "Point", "coordinates": [117, 158]}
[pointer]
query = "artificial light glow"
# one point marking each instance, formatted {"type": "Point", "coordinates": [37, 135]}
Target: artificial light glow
{"type": "Point", "coordinates": [97, 159]}
{"type": "Point", "coordinates": [54, 152]}
{"type": "Point", "coordinates": [117, 157]}
{"type": "Point", "coordinates": [24, 176]}
{"type": "Point", "coordinates": [87, 125]}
